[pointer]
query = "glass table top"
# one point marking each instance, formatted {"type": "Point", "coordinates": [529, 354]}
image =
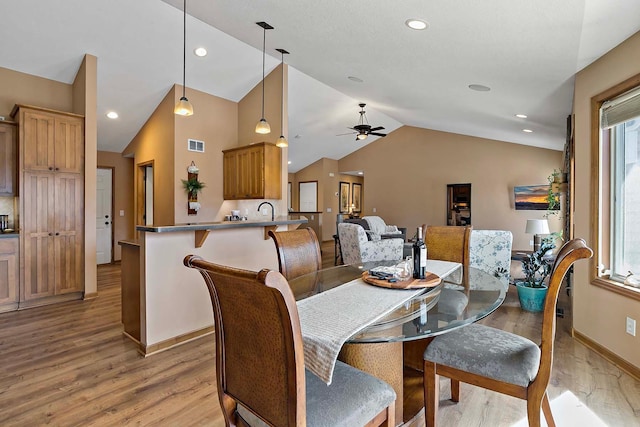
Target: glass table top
{"type": "Point", "coordinates": [435, 311]}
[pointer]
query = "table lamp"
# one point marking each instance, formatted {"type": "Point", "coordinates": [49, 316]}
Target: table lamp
{"type": "Point", "coordinates": [537, 227]}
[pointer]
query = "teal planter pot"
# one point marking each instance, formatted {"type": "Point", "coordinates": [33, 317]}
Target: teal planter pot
{"type": "Point", "coordinates": [531, 299]}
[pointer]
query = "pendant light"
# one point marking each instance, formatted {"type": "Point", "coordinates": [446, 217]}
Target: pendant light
{"type": "Point", "coordinates": [282, 141]}
{"type": "Point", "coordinates": [262, 126]}
{"type": "Point", "coordinates": [184, 107]}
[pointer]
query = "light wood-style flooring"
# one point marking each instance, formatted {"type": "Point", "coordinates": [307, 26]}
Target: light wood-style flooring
{"type": "Point", "coordinates": [69, 365]}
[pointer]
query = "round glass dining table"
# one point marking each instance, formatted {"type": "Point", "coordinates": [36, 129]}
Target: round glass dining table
{"type": "Point", "coordinates": [433, 312]}
{"type": "Point", "coordinates": [378, 348]}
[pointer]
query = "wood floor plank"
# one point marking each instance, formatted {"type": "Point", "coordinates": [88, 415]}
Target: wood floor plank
{"type": "Point", "coordinates": [69, 365]}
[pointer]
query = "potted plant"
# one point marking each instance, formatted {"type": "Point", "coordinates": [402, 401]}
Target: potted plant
{"type": "Point", "coordinates": [533, 290]}
{"type": "Point", "coordinates": [193, 186]}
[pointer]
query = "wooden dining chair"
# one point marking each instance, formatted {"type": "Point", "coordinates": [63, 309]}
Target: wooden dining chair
{"type": "Point", "coordinates": [448, 243]}
{"type": "Point", "coordinates": [498, 360]}
{"type": "Point", "coordinates": [298, 252]}
{"type": "Point", "coordinates": [260, 368]}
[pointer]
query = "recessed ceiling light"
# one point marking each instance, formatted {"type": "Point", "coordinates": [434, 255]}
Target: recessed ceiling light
{"type": "Point", "coordinates": [289, 162]}
{"type": "Point", "coordinates": [416, 24]}
{"type": "Point", "coordinates": [527, 130]}
{"type": "Point", "coordinates": [355, 79]}
{"type": "Point", "coordinates": [480, 88]}
{"type": "Point", "coordinates": [200, 51]}
{"type": "Point", "coordinates": [112, 115]}
{"type": "Point", "coordinates": [521, 116]}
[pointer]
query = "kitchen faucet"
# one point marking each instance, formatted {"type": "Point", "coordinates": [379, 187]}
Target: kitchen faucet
{"type": "Point", "coordinates": [272, 209]}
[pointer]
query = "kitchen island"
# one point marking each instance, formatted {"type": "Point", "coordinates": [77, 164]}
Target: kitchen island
{"type": "Point", "coordinates": [165, 303]}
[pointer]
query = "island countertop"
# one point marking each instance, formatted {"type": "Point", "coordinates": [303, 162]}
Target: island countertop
{"type": "Point", "coordinates": [282, 220]}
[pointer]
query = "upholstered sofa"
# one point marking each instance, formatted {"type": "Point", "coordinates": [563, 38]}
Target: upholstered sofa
{"type": "Point", "coordinates": [378, 229]}
{"type": "Point", "coordinates": [357, 248]}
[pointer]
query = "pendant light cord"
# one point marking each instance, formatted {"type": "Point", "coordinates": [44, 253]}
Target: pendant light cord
{"type": "Point", "coordinates": [264, 45]}
{"type": "Point", "coordinates": [184, 49]}
{"type": "Point", "coordinates": [282, 96]}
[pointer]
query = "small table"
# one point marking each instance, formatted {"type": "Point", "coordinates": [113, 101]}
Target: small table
{"type": "Point", "coordinates": [378, 349]}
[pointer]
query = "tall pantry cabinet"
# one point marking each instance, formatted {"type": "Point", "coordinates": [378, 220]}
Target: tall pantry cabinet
{"type": "Point", "coordinates": [51, 177]}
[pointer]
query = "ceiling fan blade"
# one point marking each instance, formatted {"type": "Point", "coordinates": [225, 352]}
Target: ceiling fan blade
{"type": "Point", "coordinates": [377, 134]}
{"type": "Point", "coordinates": [349, 133]}
{"type": "Point", "coordinates": [376, 128]}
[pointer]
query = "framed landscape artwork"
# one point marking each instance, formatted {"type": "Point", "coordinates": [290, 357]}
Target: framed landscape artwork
{"type": "Point", "coordinates": [532, 198]}
{"type": "Point", "coordinates": [343, 197]}
{"type": "Point", "coordinates": [356, 197]}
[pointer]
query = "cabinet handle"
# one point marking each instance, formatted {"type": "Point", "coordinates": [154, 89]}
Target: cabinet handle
{"type": "Point", "coordinates": [106, 223]}
{"type": "Point", "coordinates": [57, 169]}
{"type": "Point", "coordinates": [50, 168]}
{"type": "Point", "coordinates": [106, 216]}
{"type": "Point", "coordinates": [50, 234]}
{"type": "Point", "coordinates": [57, 234]}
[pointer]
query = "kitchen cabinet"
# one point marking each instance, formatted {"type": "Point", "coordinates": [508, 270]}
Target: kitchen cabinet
{"type": "Point", "coordinates": [7, 159]}
{"type": "Point", "coordinates": [9, 273]}
{"type": "Point", "coordinates": [51, 161]}
{"type": "Point", "coordinates": [252, 172]}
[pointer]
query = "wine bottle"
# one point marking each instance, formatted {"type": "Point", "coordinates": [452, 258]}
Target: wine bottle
{"type": "Point", "coordinates": [419, 257]}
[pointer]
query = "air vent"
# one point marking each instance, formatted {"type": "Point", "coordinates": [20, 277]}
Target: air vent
{"type": "Point", "coordinates": [195, 145]}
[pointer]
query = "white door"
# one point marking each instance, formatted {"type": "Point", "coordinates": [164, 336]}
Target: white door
{"type": "Point", "coordinates": [104, 216]}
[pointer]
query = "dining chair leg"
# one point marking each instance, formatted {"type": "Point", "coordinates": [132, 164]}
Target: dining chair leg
{"type": "Point", "coordinates": [431, 393]}
{"type": "Point", "coordinates": [533, 411]}
{"type": "Point", "coordinates": [546, 409]}
{"type": "Point", "coordinates": [455, 390]}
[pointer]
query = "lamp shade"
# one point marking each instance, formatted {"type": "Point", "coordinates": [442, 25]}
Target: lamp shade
{"type": "Point", "coordinates": [537, 226]}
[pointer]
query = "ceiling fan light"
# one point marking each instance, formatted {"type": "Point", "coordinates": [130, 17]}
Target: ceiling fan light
{"type": "Point", "coordinates": [282, 142]}
{"type": "Point", "coordinates": [183, 107]}
{"type": "Point", "coordinates": [263, 127]}
{"type": "Point", "coordinates": [361, 136]}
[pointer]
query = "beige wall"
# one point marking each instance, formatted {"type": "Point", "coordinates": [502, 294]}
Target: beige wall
{"type": "Point", "coordinates": [214, 121]}
{"type": "Point", "coordinates": [85, 102]}
{"type": "Point", "coordinates": [326, 172]}
{"type": "Point", "coordinates": [155, 143]}
{"type": "Point", "coordinates": [600, 314]}
{"type": "Point", "coordinates": [406, 176]}
{"type": "Point", "coordinates": [21, 88]}
{"type": "Point", "coordinates": [123, 184]}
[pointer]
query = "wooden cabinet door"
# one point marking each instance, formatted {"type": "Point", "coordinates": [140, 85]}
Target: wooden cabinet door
{"type": "Point", "coordinates": [249, 173]}
{"type": "Point", "coordinates": [68, 144]}
{"type": "Point", "coordinates": [9, 271]}
{"type": "Point", "coordinates": [230, 173]}
{"type": "Point", "coordinates": [37, 235]}
{"type": "Point", "coordinates": [37, 136]}
{"type": "Point", "coordinates": [7, 159]}
{"type": "Point", "coordinates": [69, 233]}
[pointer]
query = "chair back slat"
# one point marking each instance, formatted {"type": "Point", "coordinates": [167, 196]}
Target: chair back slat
{"type": "Point", "coordinates": [259, 356]}
{"type": "Point", "coordinates": [570, 252]}
{"type": "Point", "coordinates": [298, 252]}
{"type": "Point", "coordinates": [447, 243]}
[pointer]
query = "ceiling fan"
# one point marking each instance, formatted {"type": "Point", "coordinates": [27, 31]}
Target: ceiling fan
{"type": "Point", "coordinates": [363, 128]}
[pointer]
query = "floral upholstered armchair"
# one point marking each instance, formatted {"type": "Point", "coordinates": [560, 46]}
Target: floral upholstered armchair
{"type": "Point", "coordinates": [356, 248]}
{"type": "Point", "coordinates": [490, 251]}
{"type": "Point", "coordinates": [378, 229]}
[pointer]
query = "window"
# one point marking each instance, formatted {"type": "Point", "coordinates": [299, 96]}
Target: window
{"type": "Point", "coordinates": [618, 207]}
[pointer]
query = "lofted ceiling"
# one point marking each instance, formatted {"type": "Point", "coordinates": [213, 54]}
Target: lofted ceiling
{"type": "Point", "coordinates": [527, 52]}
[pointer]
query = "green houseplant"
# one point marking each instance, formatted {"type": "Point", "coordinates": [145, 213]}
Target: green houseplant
{"type": "Point", "coordinates": [533, 290]}
{"type": "Point", "coordinates": [193, 186]}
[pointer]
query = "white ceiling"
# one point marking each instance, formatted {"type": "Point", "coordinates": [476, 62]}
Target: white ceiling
{"type": "Point", "coordinates": [526, 51]}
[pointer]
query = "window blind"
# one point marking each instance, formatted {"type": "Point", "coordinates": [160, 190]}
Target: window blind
{"type": "Point", "coordinates": [621, 109]}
